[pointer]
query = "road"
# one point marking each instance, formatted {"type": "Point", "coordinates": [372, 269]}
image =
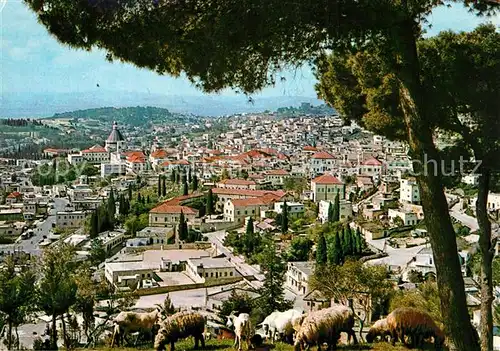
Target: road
{"type": "Point", "coordinates": [457, 213]}
{"type": "Point", "coordinates": [217, 238]}
{"type": "Point", "coordinates": [31, 245]}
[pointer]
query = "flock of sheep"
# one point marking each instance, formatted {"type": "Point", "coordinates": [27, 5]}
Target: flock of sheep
{"type": "Point", "coordinates": [303, 330]}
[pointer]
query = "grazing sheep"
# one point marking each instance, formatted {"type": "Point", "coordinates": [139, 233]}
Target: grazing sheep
{"type": "Point", "coordinates": [126, 323]}
{"type": "Point", "coordinates": [180, 326]}
{"type": "Point", "coordinates": [379, 328]}
{"type": "Point", "coordinates": [325, 326]}
{"type": "Point", "coordinates": [279, 324]}
{"type": "Point", "coordinates": [418, 325]}
{"type": "Point", "coordinates": [242, 328]}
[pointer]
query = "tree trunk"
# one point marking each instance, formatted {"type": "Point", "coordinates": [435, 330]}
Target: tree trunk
{"type": "Point", "coordinates": [65, 333]}
{"type": "Point", "coordinates": [9, 336]}
{"type": "Point", "coordinates": [53, 337]}
{"type": "Point", "coordinates": [441, 232]}
{"type": "Point", "coordinates": [485, 246]}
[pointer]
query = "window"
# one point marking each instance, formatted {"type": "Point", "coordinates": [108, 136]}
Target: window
{"type": "Point", "coordinates": [225, 274]}
{"type": "Point", "coordinates": [231, 274]}
{"type": "Point", "coordinates": [212, 275]}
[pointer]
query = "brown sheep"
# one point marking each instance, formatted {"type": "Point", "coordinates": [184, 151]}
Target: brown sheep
{"type": "Point", "coordinates": [132, 322]}
{"type": "Point", "coordinates": [379, 328]}
{"type": "Point", "coordinates": [325, 326]}
{"type": "Point", "coordinates": [418, 325]}
{"type": "Point", "coordinates": [180, 326]}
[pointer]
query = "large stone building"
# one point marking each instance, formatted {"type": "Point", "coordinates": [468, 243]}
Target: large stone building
{"type": "Point", "coordinates": [166, 215]}
{"type": "Point", "coordinates": [325, 187]}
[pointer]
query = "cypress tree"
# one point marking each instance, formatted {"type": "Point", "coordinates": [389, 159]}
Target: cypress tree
{"type": "Point", "coordinates": [336, 207]}
{"type": "Point", "coordinates": [195, 183]}
{"type": "Point", "coordinates": [177, 177]}
{"type": "Point", "coordinates": [284, 219]}
{"type": "Point", "coordinates": [111, 209]}
{"type": "Point", "coordinates": [164, 186]}
{"type": "Point", "coordinates": [249, 239]}
{"type": "Point", "coordinates": [330, 212]}
{"type": "Point", "coordinates": [321, 253]}
{"type": "Point", "coordinates": [129, 192]}
{"type": "Point", "coordinates": [185, 188]}
{"type": "Point", "coordinates": [210, 202]}
{"type": "Point", "coordinates": [139, 198]}
{"type": "Point", "coordinates": [148, 199]}
{"type": "Point", "coordinates": [159, 185]}
{"type": "Point", "coordinates": [182, 227]}
{"type": "Point", "coordinates": [172, 176]}
{"type": "Point", "coordinates": [94, 225]}
{"type": "Point", "coordinates": [190, 179]}
{"type": "Point", "coordinates": [349, 244]}
{"type": "Point", "coordinates": [335, 253]}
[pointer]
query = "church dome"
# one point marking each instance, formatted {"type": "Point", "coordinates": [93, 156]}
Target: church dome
{"type": "Point", "coordinates": [115, 135]}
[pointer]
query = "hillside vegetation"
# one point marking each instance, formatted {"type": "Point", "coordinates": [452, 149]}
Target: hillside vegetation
{"type": "Point", "coordinates": [135, 116]}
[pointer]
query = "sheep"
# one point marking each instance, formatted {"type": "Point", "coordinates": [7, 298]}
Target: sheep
{"type": "Point", "coordinates": [418, 325]}
{"type": "Point", "coordinates": [280, 324]}
{"type": "Point", "coordinates": [242, 328]}
{"type": "Point", "coordinates": [180, 326]}
{"type": "Point", "coordinates": [133, 322]}
{"type": "Point", "coordinates": [379, 328]}
{"type": "Point", "coordinates": [325, 326]}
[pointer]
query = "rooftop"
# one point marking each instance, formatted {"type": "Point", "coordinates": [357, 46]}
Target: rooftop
{"type": "Point", "coordinates": [115, 135]}
{"type": "Point", "coordinates": [209, 262]}
{"type": "Point", "coordinates": [166, 208]}
{"type": "Point", "coordinates": [326, 179]}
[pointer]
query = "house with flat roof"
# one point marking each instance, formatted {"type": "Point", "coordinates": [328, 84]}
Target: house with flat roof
{"type": "Point", "coordinates": [297, 276]}
{"type": "Point", "coordinates": [210, 268]}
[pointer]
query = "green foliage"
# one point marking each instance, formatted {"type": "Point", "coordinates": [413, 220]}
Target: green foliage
{"type": "Point", "coordinates": [237, 302]}
{"type": "Point", "coordinates": [133, 224]}
{"type": "Point", "coordinates": [425, 298]}
{"type": "Point", "coordinates": [56, 291]}
{"type": "Point", "coordinates": [272, 295]}
{"type": "Point", "coordinates": [97, 252]}
{"type": "Point", "coordinates": [194, 183]}
{"type": "Point", "coordinates": [60, 171]}
{"type": "Point", "coordinates": [17, 292]}
{"type": "Point", "coordinates": [297, 185]}
{"type": "Point", "coordinates": [182, 228]}
{"type": "Point", "coordinates": [335, 254]}
{"type": "Point", "coordinates": [353, 280]}
{"type": "Point", "coordinates": [166, 308]}
{"type": "Point", "coordinates": [111, 209]}
{"type": "Point", "coordinates": [185, 188]}
{"type": "Point", "coordinates": [299, 249]}
{"type": "Point", "coordinates": [210, 202]}
{"type": "Point", "coordinates": [321, 250]}
{"type": "Point", "coordinates": [284, 219]}
{"type": "Point", "coordinates": [415, 277]}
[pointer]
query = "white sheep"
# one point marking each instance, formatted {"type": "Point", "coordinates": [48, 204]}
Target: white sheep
{"type": "Point", "coordinates": [325, 326]}
{"type": "Point", "coordinates": [280, 324]}
{"type": "Point", "coordinates": [133, 322]}
{"type": "Point", "coordinates": [242, 328]}
{"type": "Point", "coordinates": [180, 326]}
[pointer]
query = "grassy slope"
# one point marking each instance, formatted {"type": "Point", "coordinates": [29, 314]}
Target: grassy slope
{"type": "Point", "coordinates": [226, 345]}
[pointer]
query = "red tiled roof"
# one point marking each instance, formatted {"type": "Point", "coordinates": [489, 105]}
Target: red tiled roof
{"type": "Point", "coordinates": [139, 154]}
{"type": "Point", "coordinates": [310, 148]}
{"type": "Point", "coordinates": [237, 182]}
{"type": "Point", "coordinates": [159, 154]}
{"type": "Point", "coordinates": [246, 192]}
{"type": "Point", "coordinates": [326, 179]}
{"type": "Point", "coordinates": [322, 155]}
{"type": "Point", "coordinates": [180, 162]}
{"type": "Point", "coordinates": [372, 161]}
{"type": "Point", "coordinates": [14, 194]}
{"type": "Point", "coordinates": [269, 151]}
{"type": "Point", "coordinates": [136, 159]}
{"type": "Point", "coordinates": [277, 172]}
{"type": "Point", "coordinates": [165, 208]}
{"type": "Point", "coordinates": [176, 201]}
{"type": "Point", "coordinates": [255, 201]}
{"type": "Point", "coordinates": [95, 148]}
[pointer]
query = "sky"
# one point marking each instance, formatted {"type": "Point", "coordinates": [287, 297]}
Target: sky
{"type": "Point", "coordinates": [32, 61]}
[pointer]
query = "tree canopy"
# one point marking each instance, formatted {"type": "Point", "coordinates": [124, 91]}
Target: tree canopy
{"type": "Point", "coordinates": [218, 44]}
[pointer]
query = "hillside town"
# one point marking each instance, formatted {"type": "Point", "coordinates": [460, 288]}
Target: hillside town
{"type": "Point", "coordinates": [195, 219]}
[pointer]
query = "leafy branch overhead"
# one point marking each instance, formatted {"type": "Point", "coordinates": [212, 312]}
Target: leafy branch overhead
{"type": "Point", "coordinates": [224, 43]}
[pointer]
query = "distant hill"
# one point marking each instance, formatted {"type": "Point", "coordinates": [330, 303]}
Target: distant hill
{"type": "Point", "coordinates": [47, 104]}
{"type": "Point", "coordinates": [135, 116]}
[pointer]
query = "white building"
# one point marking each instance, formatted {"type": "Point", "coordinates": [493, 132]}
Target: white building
{"type": "Point", "coordinates": [294, 208]}
{"type": "Point", "coordinates": [423, 262]}
{"type": "Point", "coordinates": [297, 276]}
{"type": "Point", "coordinates": [493, 203]}
{"type": "Point", "coordinates": [408, 191]}
{"type": "Point", "coordinates": [116, 141]}
{"type": "Point", "coordinates": [210, 268]}
{"type": "Point", "coordinates": [112, 169]}
{"type": "Point", "coordinates": [470, 179]}
{"type": "Point", "coordinates": [321, 162]}
{"type": "Point", "coordinates": [70, 219]}
{"type": "Point", "coordinates": [408, 217]}
{"type": "Point", "coordinates": [345, 210]}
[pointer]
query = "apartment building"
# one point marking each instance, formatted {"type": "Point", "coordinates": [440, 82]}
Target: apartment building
{"type": "Point", "coordinates": [70, 219]}
{"type": "Point", "coordinates": [409, 191]}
